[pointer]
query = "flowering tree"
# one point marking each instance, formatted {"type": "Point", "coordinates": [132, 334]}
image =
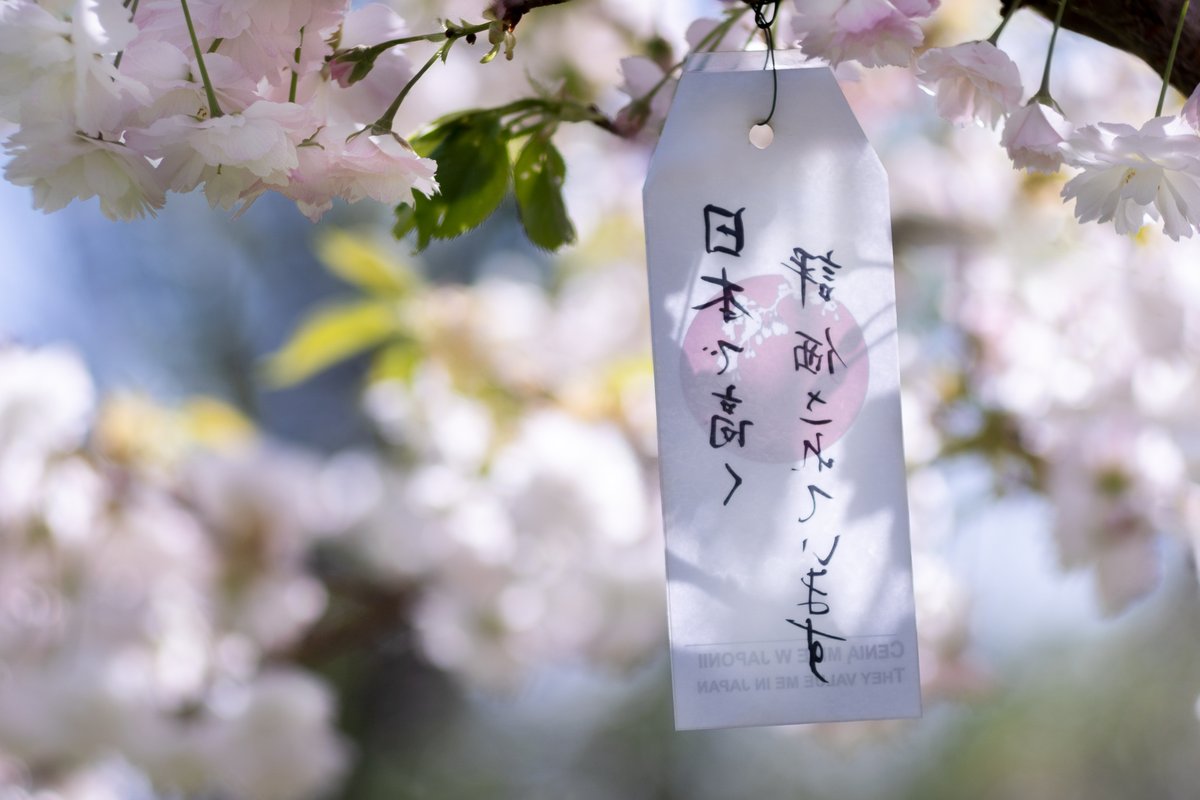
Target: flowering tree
{"type": "Point", "coordinates": [127, 101]}
{"type": "Point", "coordinates": [188, 605]}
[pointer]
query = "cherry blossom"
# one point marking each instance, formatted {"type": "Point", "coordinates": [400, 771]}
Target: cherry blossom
{"type": "Point", "coordinates": [1191, 110]}
{"type": "Point", "coordinates": [338, 163]}
{"type": "Point", "coordinates": [641, 77]}
{"type": "Point", "coordinates": [651, 88]}
{"type": "Point", "coordinates": [873, 32]}
{"type": "Point", "coordinates": [168, 73]}
{"type": "Point", "coordinates": [115, 107]}
{"type": "Point", "coordinates": [1033, 135]}
{"type": "Point", "coordinates": [62, 164]}
{"type": "Point", "coordinates": [235, 156]}
{"type": "Point", "coordinates": [1133, 175]}
{"type": "Point", "coordinates": [971, 81]}
{"type": "Point", "coordinates": [32, 42]}
{"type": "Point", "coordinates": [56, 66]}
{"type": "Point", "coordinates": [915, 9]}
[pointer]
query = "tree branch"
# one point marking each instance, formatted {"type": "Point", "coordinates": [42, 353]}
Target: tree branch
{"type": "Point", "coordinates": [511, 11]}
{"type": "Point", "coordinates": [1143, 28]}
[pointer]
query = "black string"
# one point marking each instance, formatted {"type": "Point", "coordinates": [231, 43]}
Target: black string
{"type": "Point", "coordinates": [764, 24]}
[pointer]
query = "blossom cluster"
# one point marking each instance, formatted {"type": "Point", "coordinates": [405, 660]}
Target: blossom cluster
{"type": "Point", "coordinates": [528, 525]}
{"type": "Point", "coordinates": [1071, 379]}
{"type": "Point", "coordinates": [126, 102]}
{"type": "Point", "coordinates": [1128, 176]}
{"type": "Point", "coordinates": [148, 587]}
{"type": "Point", "coordinates": [158, 584]}
{"type": "Point", "coordinates": [1090, 357]}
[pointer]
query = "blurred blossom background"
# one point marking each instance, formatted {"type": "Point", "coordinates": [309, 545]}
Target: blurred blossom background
{"type": "Point", "coordinates": [290, 512]}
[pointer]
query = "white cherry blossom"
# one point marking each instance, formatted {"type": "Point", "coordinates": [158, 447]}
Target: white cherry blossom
{"type": "Point", "coordinates": [1130, 176]}
{"type": "Point", "coordinates": [1191, 110]}
{"type": "Point", "coordinates": [62, 164]}
{"type": "Point", "coordinates": [32, 41]}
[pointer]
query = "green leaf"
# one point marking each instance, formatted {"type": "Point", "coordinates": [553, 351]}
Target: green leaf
{"type": "Point", "coordinates": [406, 222]}
{"type": "Point", "coordinates": [331, 335]}
{"type": "Point", "coordinates": [472, 176]}
{"type": "Point", "coordinates": [356, 261]}
{"type": "Point", "coordinates": [538, 177]}
{"type": "Point", "coordinates": [425, 142]}
{"type": "Point", "coordinates": [398, 361]}
{"type": "Point", "coordinates": [421, 216]}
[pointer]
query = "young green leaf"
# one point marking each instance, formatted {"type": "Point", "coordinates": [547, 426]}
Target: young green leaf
{"type": "Point", "coordinates": [358, 262]}
{"type": "Point", "coordinates": [537, 178]}
{"type": "Point", "coordinates": [472, 177]}
{"type": "Point", "coordinates": [329, 336]}
{"type": "Point", "coordinates": [398, 361]}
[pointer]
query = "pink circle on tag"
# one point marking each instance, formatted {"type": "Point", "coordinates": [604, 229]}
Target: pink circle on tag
{"type": "Point", "coordinates": [784, 391]}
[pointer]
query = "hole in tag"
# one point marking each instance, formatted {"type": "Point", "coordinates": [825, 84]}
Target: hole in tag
{"type": "Point", "coordinates": [761, 136]}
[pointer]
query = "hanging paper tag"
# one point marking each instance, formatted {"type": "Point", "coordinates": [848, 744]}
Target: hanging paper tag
{"type": "Point", "coordinates": [774, 329]}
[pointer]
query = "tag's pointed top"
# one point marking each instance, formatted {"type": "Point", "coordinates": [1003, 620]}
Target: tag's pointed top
{"type": "Point", "coordinates": [745, 60]}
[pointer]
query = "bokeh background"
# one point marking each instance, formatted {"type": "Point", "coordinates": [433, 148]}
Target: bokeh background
{"type": "Point", "coordinates": [290, 511]}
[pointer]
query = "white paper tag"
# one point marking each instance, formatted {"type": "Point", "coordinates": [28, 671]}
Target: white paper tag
{"type": "Point", "coordinates": [774, 329]}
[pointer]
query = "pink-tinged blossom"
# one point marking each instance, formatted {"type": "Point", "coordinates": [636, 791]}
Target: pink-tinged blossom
{"type": "Point", "coordinates": [383, 168]}
{"type": "Point", "coordinates": [1033, 135]}
{"type": "Point", "coordinates": [366, 99]}
{"type": "Point", "coordinates": [874, 33]}
{"type": "Point", "coordinates": [171, 76]}
{"type": "Point", "coordinates": [235, 156]}
{"type": "Point", "coordinates": [268, 33]}
{"type": "Point", "coordinates": [970, 81]}
{"type": "Point", "coordinates": [914, 9]}
{"type": "Point", "coordinates": [370, 25]}
{"type": "Point", "coordinates": [643, 75]}
{"type": "Point", "coordinates": [61, 164]}
{"type": "Point", "coordinates": [261, 35]}
{"type": "Point", "coordinates": [1115, 481]}
{"type": "Point", "coordinates": [1131, 175]}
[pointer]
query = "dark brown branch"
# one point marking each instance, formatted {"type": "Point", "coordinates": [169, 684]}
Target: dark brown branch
{"type": "Point", "coordinates": [358, 617]}
{"type": "Point", "coordinates": [511, 11]}
{"type": "Point", "coordinates": [1143, 28]}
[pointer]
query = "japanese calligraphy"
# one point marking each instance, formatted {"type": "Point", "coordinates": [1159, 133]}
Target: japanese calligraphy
{"type": "Point", "coordinates": [816, 608]}
{"type": "Point", "coordinates": [727, 298]}
{"type": "Point", "coordinates": [816, 356]}
{"type": "Point", "coordinates": [798, 263]}
{"type": "Point", "coordinates": [723, 231]}
{"type": "Point", "coordinates": [809, 355]}
{"type": "Point", "coordinates": [723, 350]}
